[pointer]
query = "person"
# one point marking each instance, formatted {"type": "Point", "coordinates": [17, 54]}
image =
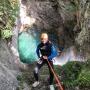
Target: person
{"type": "Point", "coordinates": [45, 51]}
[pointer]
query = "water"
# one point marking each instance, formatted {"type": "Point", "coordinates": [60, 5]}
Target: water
{"type": "Point", "coordinates": [68, 55]}
{"type": "Point", "coordinates": [27, 46]}
{"type": "Point", "coordinates": [28, 40]}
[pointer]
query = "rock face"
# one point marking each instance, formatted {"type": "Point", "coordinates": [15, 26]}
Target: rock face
{"type": "Point", "coordinates": [53, 17]}
{"type": "Point", "coordinates": [83, 38]}
{"type": "Point", "coordinates": [8, 68]}
{"type": "Point", "coordinates": [45, 15]}
{"type": "Point", "coordinates": [50, 17]}
{"type": "Point", "coordinates": [60, 19]}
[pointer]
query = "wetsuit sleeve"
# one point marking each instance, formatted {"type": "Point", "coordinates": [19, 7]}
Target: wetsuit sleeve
{"type": "Point", "coordinates": [53, 53]}
{"type": "Point", "coordinates": [38, 51]}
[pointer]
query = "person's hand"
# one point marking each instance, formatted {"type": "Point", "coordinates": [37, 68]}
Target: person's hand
{"type": "Point", "coordinates": [45, 57]}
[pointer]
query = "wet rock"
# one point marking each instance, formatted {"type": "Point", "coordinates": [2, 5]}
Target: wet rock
{"type": "Point", "coordinates": [8, 68]}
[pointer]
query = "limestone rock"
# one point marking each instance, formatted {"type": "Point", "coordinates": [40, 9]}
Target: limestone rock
{"type": "Point", "coordinates": [8, 69]}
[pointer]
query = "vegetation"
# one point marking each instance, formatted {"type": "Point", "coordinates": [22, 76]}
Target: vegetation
{"type": "Point", "coordinates": [75, 74]}
{"type": "Point", "coordinates": [8, 13]}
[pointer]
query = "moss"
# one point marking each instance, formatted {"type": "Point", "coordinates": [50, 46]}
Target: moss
{"type": "Point", "coordinates": [71, 72]}
{"type": "Point", "coordinates": [8, 12]}
{"type": "Point", "coordinates": [21, 81]}
{"type": "Point", "coordinates": [75, 74]}
{"type": "Point", "coordinates": [84, 78]}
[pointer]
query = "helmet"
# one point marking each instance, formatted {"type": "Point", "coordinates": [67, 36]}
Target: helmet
{"type": "Point", "coordinates": [44, 36]}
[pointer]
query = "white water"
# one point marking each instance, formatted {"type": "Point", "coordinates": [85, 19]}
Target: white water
{"type": "Point", "coordinates": [68, 56]}
{"type": "Point", "coordinates": [24, 18]}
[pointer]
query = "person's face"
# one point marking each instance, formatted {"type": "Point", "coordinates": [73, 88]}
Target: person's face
{"type": "Point", "coordinates": [44, 40]}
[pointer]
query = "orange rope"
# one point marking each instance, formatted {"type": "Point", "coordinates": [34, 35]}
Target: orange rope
{"type": "Point", "coordinates": [56, 77]}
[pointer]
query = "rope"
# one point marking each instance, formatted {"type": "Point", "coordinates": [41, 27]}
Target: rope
{"type": "Point", "coordinates": [56, 77]}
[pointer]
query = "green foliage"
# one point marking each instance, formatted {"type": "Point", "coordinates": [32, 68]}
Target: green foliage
{"type": "Point", "coordinates": [75, 74]}
{"type": "Point", "coordinates": [84, 78]}
{"type": "Point", "coordinates": [69, 73]}
{"type": "Point", "coordinates": [6, 33]}
{"type": "Point", "coordinates": [8, 13]}
{"type": "Point", "coordinates": [21, 81]}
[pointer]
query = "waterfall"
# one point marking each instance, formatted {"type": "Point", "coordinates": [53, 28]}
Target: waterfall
{"type": "Point", "coordinates": [68, 55]}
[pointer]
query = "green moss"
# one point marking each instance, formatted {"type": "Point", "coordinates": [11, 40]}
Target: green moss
{"type": "Point", "coordinates": [21, 81]}
{"type": "Point", "coordinates": [75, 74]}
{"type": "Point", "coordinates": [69, 73]}
{"type": "Point", "coordinates": [84, 78]}
{"type": "Point", "coordinates": [8, 12]}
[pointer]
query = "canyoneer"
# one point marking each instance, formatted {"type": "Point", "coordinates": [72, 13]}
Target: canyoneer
{"type": "Point", "coordinates": [45, 51]}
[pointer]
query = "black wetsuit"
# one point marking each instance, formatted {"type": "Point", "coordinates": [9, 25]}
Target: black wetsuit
{"type": "Point", "coordinates": [48, 50]}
